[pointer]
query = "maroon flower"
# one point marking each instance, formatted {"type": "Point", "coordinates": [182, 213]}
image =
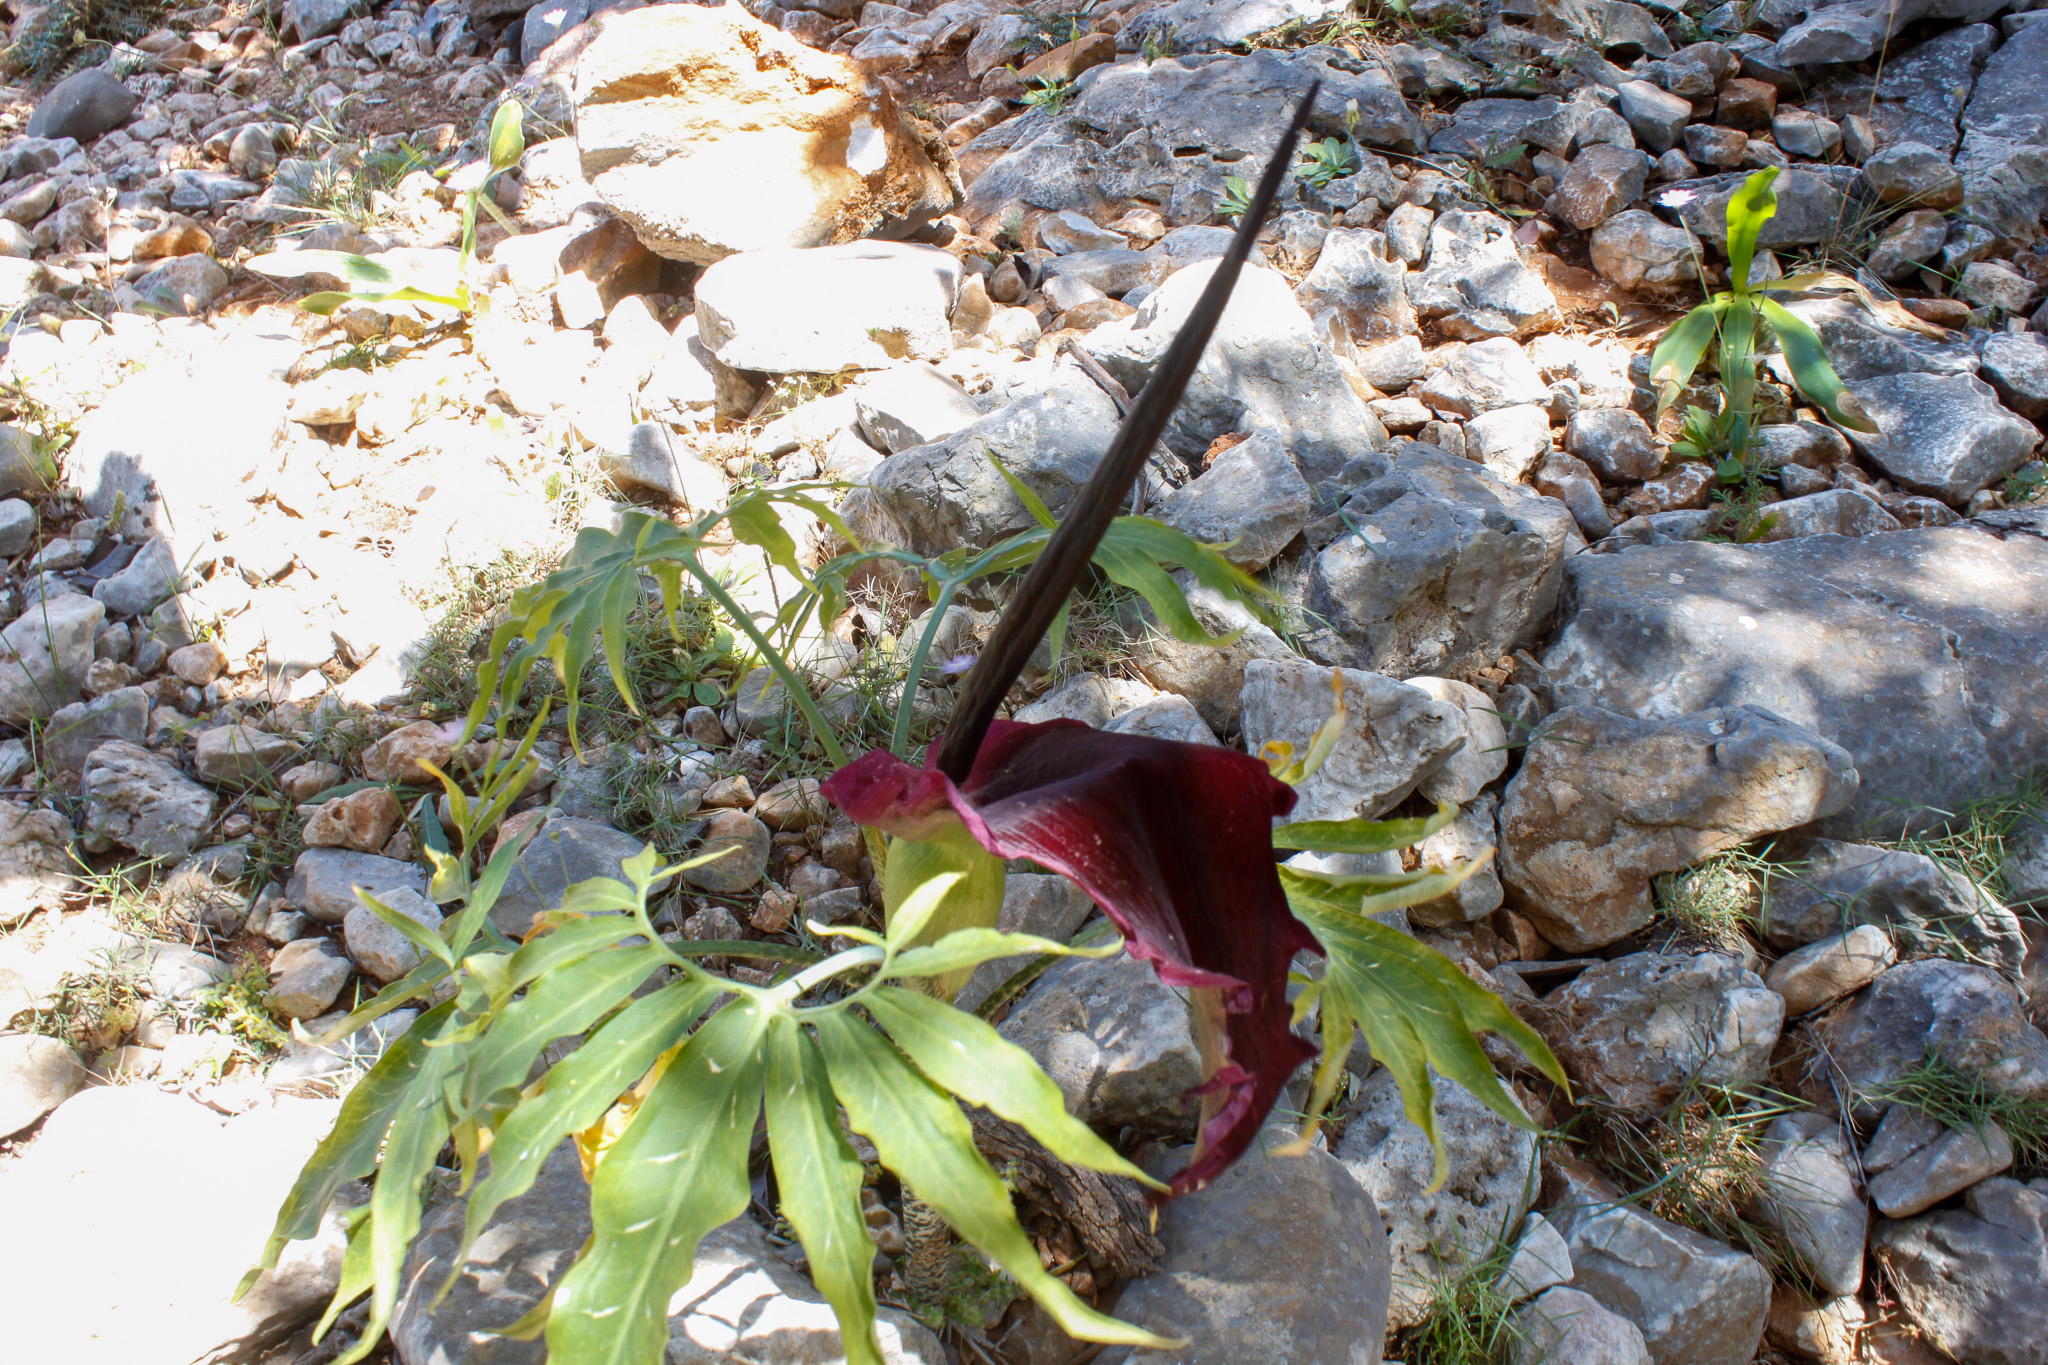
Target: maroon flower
{"type": "Point", "coordinates": [1174, 842]}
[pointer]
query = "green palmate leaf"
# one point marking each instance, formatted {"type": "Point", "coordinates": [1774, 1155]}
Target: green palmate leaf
{"type": "Point", "coordinates": [419, 1127]}
{"type": "Point", "coordinates": [1808, 361]}
{"type": "Point", "coordinates": [400, 1077]}
{"type": "Point", "coordinates": [752, 519]}
{"type": "Point", "coordinates": [1361, 836]}
{"type": "Point", "coordinates": [578, 1091]}
{"type": "Point", "coordinates": [1748, 210]}
{"type": "Point", "coordinates": [1418, 1011]}
{"type": "Point", "coordinates": [969, 948]}
{"type": "Point", "coordinates": [678, 1171]}
{"type": "Point", "coordinates": [1681, 349]}
{"type": "Point", "coordinates": [567, 1000]}
{"type": "Point", "coordinates": [356, 1279]}
{"type": "Point", "coordinates": [972, 899]}
{"type": "Point", "coordinates": [819, 1179]}
{"type": "Point", "coordinates": [964, 1055]}
{"type": "Point", "coordinates": [566, 941]}
{"type": "Point", "coordinates": [1027, 495]}
{"type": "Point", "coordinates": [923, 1137]}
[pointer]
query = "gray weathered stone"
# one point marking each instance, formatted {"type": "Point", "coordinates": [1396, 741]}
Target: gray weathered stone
{"type": "Point", "coordinates": [380, 950]}
{"type": "Point", "coordinates": [1281, 1259]}
{"type": "Point", "coordinates": [1484, 376]}
{"type": "Point", "coordinates": [37, 867]}
{"type": "Point", "coordinates": [1615, 443]}
{"type": "Point", "coordinates": [1657, 117]}
{"type": "Point", "coordinates": [913, 405]}
{"type": "Point", "coordinates": [1484, 755]}
{"type": "Point", "coordinates": [1442, 568]}
{"type": "Point", "coordinates": [306, 976]}
{"type": "Point", "coordinates": [1925, 905]}
{"type": "Point", "coordinates": [1252, 497]}
{"type": "Point", "coordinates": [1912, 174]}
{"type": "Point", "coordinates": [1642, 253]}
{"type": "Point", "coordinates": [1811, 1197]}
{"type": "Point", "coordinates": [1115, 1039]}
{"type": "Point", "coordinates": [1971, 1277]}
{"type": "Point", "coordinates": [76, 730]}
{"type": "Point", "coordinates": [1637, 1029]}
{"type": "Point", "coordinates": [1033, 903]}
{"type": "Point", "coordinates": [240, 755]}
{"type": "Point", "coordinates": [1118, 139]}
{"type": "Point", "coordinates": [1695, 1301]}
{"type": "Point", "coordinates": [1810, 207]}
{"type": "Point", "coordinates": [44, 654]}
{"type": "Point", "coordinates": [1602, 182]}
{"type": "Point", "coordinates": [1508, 441]}
{"type": "Point", "coordinates": [1394, 735]}
{"type": "Point", "coordinates": [2002, 157]}
{"type": "Point", "coordinates": [1432, 1233]}
{"type": "Point", "coordinates": [829, 308]}
{"type": "Point", "coordinates": [1970, 1016]}
{"type": "Point", "coordinates": [1265, 369]}
{"type": "Point", "coordinates": [1360, 278]}
{"type": "Point", "coordinates": [743, 842]}
{"type": "Point", "coordinates": [1923, 652]}
{"type": "Point", "coordinates": [1604, 803]}
{"type": "Point", "coordinates": [323, 882]}
{"type": "Point", "coordinates": [1570, 1324]}
{"type": "Point", "coordinates": [137, 800]}
{"type": "Point", "coordinates": [1210, 676]}
{"type": "Point", "coordinates": [83, 105]}
{"type": "Point", "coordinates": [1950, 1164]}
{"type": "Point", "coordinates": [1471, 836]}
{"type": "Point", "coordinates": [2016, 366]}
{"type": "Point", "coordinates": [1824, 971]}
{"type": "Point", "coordinates": [36, 1075]}
{"type": "Point", "coordinates": [1946, 436]}
{"type": "Point", "coordinates": [1476, 283]}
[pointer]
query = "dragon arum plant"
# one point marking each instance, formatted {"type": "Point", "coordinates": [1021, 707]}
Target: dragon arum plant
{"type": "Point", "coordinates": [677, 1067]}
{"type": "Point", "coordinates": [1735, 320]}
{"type": "Point", "coordinates": [428, 277]}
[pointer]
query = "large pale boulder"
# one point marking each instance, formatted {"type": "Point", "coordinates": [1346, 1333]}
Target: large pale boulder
{"type": "Point", "coordinates": [711, 133]}
{"type": "Point", "coordinates": [1604, 803]}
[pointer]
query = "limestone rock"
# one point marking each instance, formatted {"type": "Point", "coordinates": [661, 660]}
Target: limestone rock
{"type": "Point", "coordinates": [186, 1241]}
{"type": "Point", "coordinates": [1484, 376]}
{"type": "Point", "coordinates": [306, 976]}
{"type": "Point", "coordinates": [1431, 1234]}
{"type": "Point", "coordinates": [239, 755]}
{"type": "Point", "coordinates": [1695, 1301]}
{"type": "Point", "coordinates": [743, 844]}
{"type": "Point", "coordinates": [1950, 1164]}
{"type": "Point", "coordinates": [36, 865]}
{"type": "Point", "coordinates": [1923, 903]}
{"type": "Point", "coordinates": [1636, 1029]}
{"type": "Point", "coordinates": [1358, 278]}
{"type": "Point", "coordinates": [1642, 253]}
{"type": "Point", "coordinates": [83, 105]}
{"type": "Point", "coordinates": [1971, 1277]}
{"type": "Point", "coordinates": [323, 881]}
{"type": "Point", "coordinates": [136, 800]}
{"type": "Point", "coordinates": [1394, 735]}
{"type": "Point", "coordinates": [1477, 283]}
{"type": "Point", "coordinates": [1281, 1259]}
{"type": "Point", "coordinates": [1604, 803]}
{"type": "Point", "coordinates": [1813, 1200]}
{"type": "Point", "coordinates": [380, 950]}
{"type": "Point", "coordinates": [362, 820]}
{"type": "Point", "coordinates": [1252, 497]}
{"type": "Point", "coordinates": [1945, 436]}
{"type": "Point", "coordinates": [1970, 1016]}
{"type": "Point", "coordinates": [863, 305]}
{"type": "Point", "coordinates": [1033, 903]}
{"type": "Point", "coordinates": [36, 1075]}
{"type": "Point", "coordinates": [44, 655]}
{"type": "Point", "coordinates": [566, 851]}
{"type": "Point", "coordinates": [1824, 971]}
{"type": "Point", "coordinates": [401, 755]}
{"type": "Point", "coordinates": [1116, 1040]}
{"type": "Point", "coordinates": [1210, 676]}
{"type": "Point", "coordinates": [1471, 836]}
{"type": "Point", "coordinates": [1442, 569]}
{"type": "Point", "coordinates": [1570, 1324]}
{"type": "Point", "coordinates": [711, 133]}
{"type": "Point", "coordinates": [1919, 651]}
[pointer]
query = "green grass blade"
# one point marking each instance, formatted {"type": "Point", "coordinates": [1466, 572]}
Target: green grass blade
{"type": "Point", "coordinates": [678, 1171]}
{"type": "Point", "coordinates": [1033, 504]}
{"type": "Point", "coordinates": [964, 1055]}
{"type": "Point", "coordinates": [415, 933]}
{"type": "Point", "coordinates": [1808, 361]}
{"type": "Point", "coordinates": [922, 1136]}
{"type": "Point", "coordinates": [1748, 210]}
{"type": "Point", "coordinates": [819, 1180]}
{"type": "Point", "coordinates": [579, 1090]}
{"type": "Point", "coordinates": [1161, 591]}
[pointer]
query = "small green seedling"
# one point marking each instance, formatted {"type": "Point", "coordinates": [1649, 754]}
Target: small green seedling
{"type": "Point", "coordinates": [1322, 162]}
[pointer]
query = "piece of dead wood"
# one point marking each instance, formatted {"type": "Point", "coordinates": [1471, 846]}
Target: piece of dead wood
{"type": "Point", "coordinates": [1107, 1213]}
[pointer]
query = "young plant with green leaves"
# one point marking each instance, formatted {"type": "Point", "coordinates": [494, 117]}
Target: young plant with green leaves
{"type": "Point", "coordinates": [1321, 162]}
{"type": "Point", "coordinates": [1048, 94]}
{"type": "Point", "coordinates": [1176, 842]}
{"type": "Point", "coordinates": [1734, 321]}
{"type": "Point", "coordinates": [425, 278]}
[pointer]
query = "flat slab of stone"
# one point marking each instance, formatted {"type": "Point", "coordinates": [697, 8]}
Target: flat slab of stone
{"type": "Point", "coordinates": [1924, 653]}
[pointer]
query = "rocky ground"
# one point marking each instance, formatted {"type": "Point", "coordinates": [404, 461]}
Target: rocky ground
{"type": "Point", "coordinates": [1756, 752]}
